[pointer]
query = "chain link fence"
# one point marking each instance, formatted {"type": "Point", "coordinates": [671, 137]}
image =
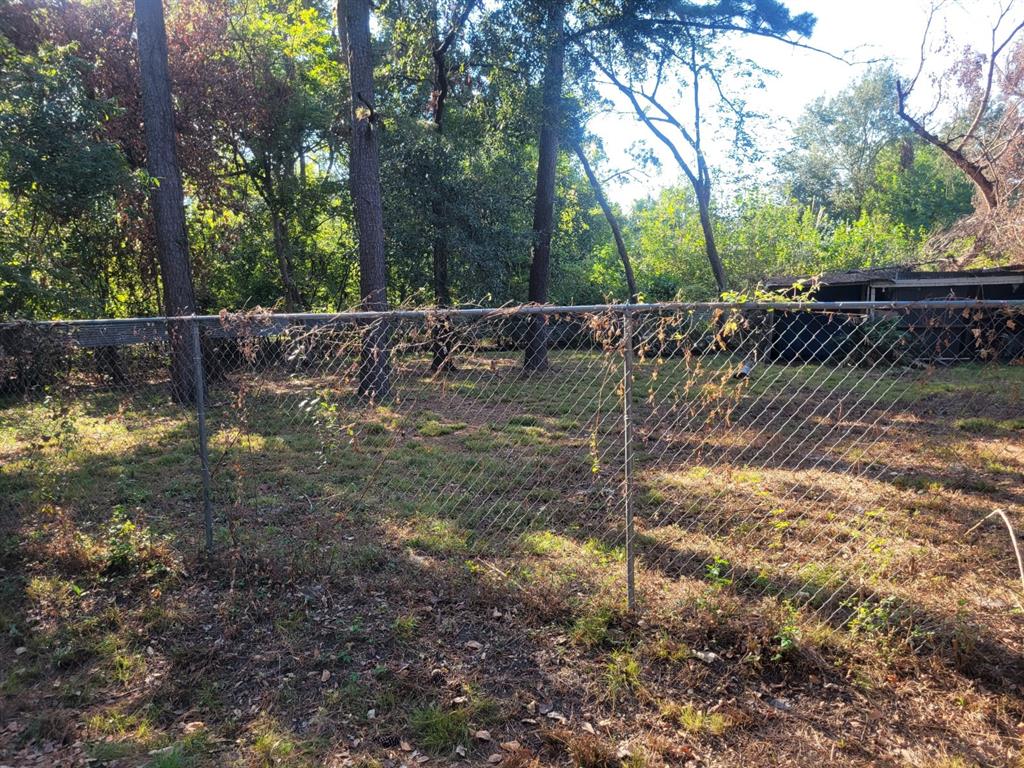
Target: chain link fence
{"type": "Point", "coordinates": [857, 459]}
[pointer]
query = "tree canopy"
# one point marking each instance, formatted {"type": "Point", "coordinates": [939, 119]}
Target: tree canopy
{"type": "Point", "coordinates": [477, 135]}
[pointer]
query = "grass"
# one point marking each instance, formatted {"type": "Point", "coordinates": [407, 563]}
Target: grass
{"type": "Point", "coordinates": [454, 562]}
{"type": "Point", "coordinates": [988, 426]}
{"type": "Point", "coordinates": [694, 720]}
{"type": "Point", "coordinates": [440, 730]}
{"type": "Point", "coordinates": [621, 675]}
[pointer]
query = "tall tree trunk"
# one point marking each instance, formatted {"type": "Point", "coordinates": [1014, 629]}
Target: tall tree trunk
{"type": "Point", "coordinates": [442, 331]}
{"type": "Point", "coordinates": [536, 357]}
{"type": "Point", "coordinates": [282, 249]}
{"type": "Point", "coordinates": [166, 198]}
{"type": "Point", "coordinates": [364, 179]}
{"type": "Point", "coordinates": [613, 222]}
{"type": "Point", "coordinates": [704, 210]}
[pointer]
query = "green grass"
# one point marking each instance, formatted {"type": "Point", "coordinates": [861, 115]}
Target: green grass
{"type": "Point", "coordinates": [621, 675]}
{"type": "Point", "coordinates": [985, 426]}
{"type": "Point", "coordinates": [438, 537]}
{"type": "Point", "coordinates": [541, 543]}
{"type": "Point", "coordinates": [431, 425]}
{"type": "Point", "coordinates": [694, 720]}
{"type": "Point", "coordinates": [440, 730]}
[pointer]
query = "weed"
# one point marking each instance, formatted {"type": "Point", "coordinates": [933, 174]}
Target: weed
{"type": "Point", "coordinates": [434, 426]}
{"type": "Point", "coordinates": [110, 751]}
{"type": "Point", "coordinates": [985, 426]}
{"type": "Point", "coordinates": [404, 627]}
{"type": "Point", "coordinates": [272, 748]}
{"type": "Point", "coordinates": [524, 420]}
{"type": "Point", "coordinates": [130, 547]}
{"type": "Point", "coordinates": [718, 571]}
{"type": "Point", "coordinates": [787, 638]}
{"type": "Point", "coordinates": [439, 537]}
{"type": "Point", "coordinates": [176, 756]}
{"type": "Point", "coordinates": [667, 649]}
{"type": "Point", "coordinates": [591, 629]}
{"type": "Point", "coordinates": [621, 675]}
{"type": "Point", "coordinates": [694, 720]}
{"type": "Point", "coordinates": [604, 554]}
{"type": "Point", "coordinates": [365, 558]}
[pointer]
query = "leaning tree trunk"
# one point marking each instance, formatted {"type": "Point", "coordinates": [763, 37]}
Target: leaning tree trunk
{"type": "Point", "coordinates": [536, 357]}
{"type": "Point", "coordinates": [613, 222]}
{"type": "Point", "coordinates": [166, 197]}
{"type": "Point", "coordinates": [364, 179]}
{"type": "Point", "coordinates": [704, 210]}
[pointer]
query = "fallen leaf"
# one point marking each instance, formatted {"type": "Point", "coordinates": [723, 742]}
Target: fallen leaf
{"type": "Point", "coordinates": [495, 758]}
{"type": "Point", "coordinates": [325, 676]}
{"type": "Point", "coordinates": [510, 746]}
{"type": "Point", "coordinates": [553, 715]}
{"type": "Point", "coordinates": [460, 751]}
{"type": "Point", "coordinates": [482, 735]}
{"type": "Point", "coordinates": [589, 728]}
{"type": "Point", "coordinates": [405, 745]}
{"type": "Point", "coordinates": [473, 645]}
{"type": "Point", "coordinates": [707, 656]}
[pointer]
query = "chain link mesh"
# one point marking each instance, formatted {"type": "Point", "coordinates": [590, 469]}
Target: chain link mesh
{"type": "Point", "coordinates": [832, 458]}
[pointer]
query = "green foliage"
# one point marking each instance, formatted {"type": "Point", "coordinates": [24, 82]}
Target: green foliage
{"type": "Point", "coordinates": [837, 141]}
{"type": "Point", "coordinates": [60, 181]}
{"type": "Point", "coordinates": [259, 88]}
{"type": "Point", "coordinates": [916, 185]}
{"type": "Point", "coordinates": [51, 156]}
{"type": "Point", "coordinates": [759, 237]}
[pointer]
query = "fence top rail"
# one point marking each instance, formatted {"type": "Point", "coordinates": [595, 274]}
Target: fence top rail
{"type": "Point", "coordinates": [359, 316]}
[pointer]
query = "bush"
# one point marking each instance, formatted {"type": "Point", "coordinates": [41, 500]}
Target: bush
{"type": "Point", "coordinates": [30, 357]}
{"type": "Point", "coordinates": [887, 340]}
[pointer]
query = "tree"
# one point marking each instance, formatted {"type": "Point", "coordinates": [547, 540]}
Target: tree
{"type": "Point", "coordinates": [696, 169]}
{"type": "Point", "coordinates": [281, 76]}
{"type": "Point", "coordinates": [983, 91]}
{"type": "Point", "coordinates": [167, 197]}
{"type": "Point", "coordinates": [832, 159]}
{"type": "Point", "coordinates": [364, 181]}
{"type": "Point", "coordinates": [613, 221]}
{"type": "Point", "coordinates": [917, 186]}
{"type": "Point", "coordinates": [638, 51]}
{"type": "Point", "coordinates": [442, 335]}
{"type": "Point", "coordinates": [985, 129]}
{"type": "Point", "coordinates": [536, 357]}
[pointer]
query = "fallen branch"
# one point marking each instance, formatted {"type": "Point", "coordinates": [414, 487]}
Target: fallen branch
{"type": "Point", "coordinates": [1013, 538]}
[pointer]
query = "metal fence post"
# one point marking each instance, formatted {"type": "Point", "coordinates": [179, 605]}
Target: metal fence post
{"type": "Point", "coordinates": [204, 456]}
{"type": "Point", "coordinates": [627, 450]}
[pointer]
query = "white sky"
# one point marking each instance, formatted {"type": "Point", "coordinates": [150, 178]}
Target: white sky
{"type": "Point", "coordinates": [875, 29]}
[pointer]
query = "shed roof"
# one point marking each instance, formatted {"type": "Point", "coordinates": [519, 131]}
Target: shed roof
{"type": "Point", "coordinates": [906, 275]}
